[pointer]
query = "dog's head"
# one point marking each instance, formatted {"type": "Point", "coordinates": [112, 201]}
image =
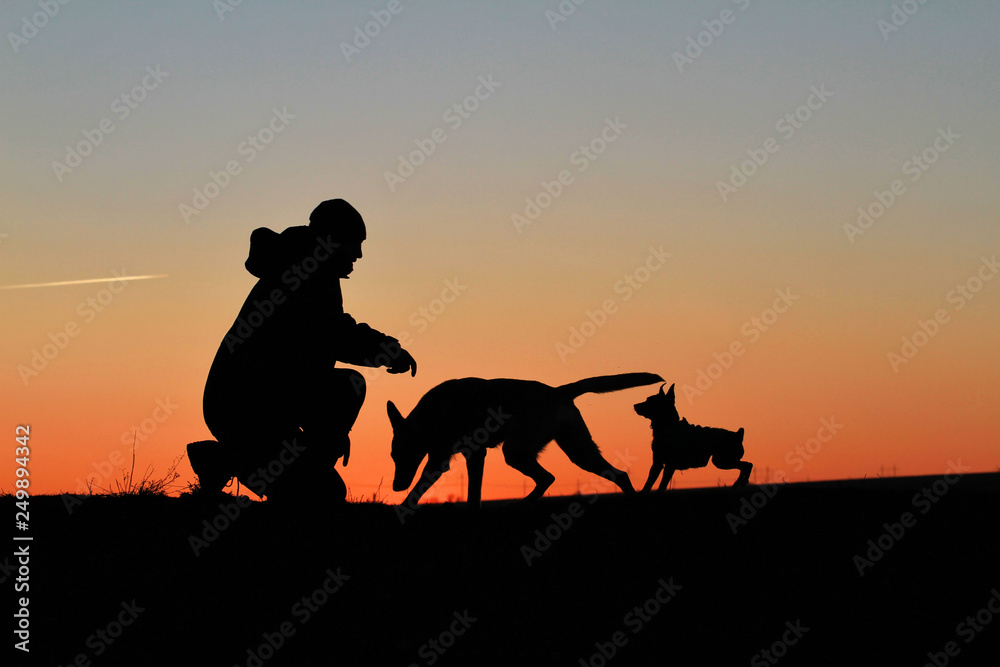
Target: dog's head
{"type": "Point", "coordinates": [407, 449]}
{"type": "Point", "coordinates": [659, 407]}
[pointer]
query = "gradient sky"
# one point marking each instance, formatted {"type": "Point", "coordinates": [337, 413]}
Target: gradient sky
{"type": "Point", "coordinates": [681, 132]}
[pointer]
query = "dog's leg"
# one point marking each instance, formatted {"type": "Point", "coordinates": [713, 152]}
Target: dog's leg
{"type": "Point", "coordinates": [574, 438]}
{"type": "Point", "coordinates": [745, 468]}
{"type": "Point", "coordinates": [667, 474]}
{"type": "Point", "coordinates": [728, 464]}
{"type": "Point", "coordinates": [654, 471]}
{"type": "Point", "coordinates": [430, 474]}
{"type": "Point", "coordinates": [522, 456]}
{"type": "Point", "coordinates": [474, 462]}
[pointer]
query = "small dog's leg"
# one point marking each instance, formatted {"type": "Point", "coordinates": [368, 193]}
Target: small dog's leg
{"type": "Point", "coordinates": [654, 472]}
{"type": "Point", "coordinates": [745, 468]}
{"type": "Point", "coordinates": [732, 463]}
{"type": "Point", "coordinates": [667, 474]}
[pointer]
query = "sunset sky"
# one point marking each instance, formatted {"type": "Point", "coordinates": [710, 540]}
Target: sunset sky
{"type": "Point", "coordinates": [686, 175]}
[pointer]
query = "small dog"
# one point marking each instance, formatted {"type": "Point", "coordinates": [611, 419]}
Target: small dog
{"type": "Point", "coordinates": [469, 415]}
{"type": "Point", "coordinates": [678, 445]}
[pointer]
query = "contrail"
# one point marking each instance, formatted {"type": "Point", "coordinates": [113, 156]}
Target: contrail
{"type": "Point", "coordinates": [83, 282]}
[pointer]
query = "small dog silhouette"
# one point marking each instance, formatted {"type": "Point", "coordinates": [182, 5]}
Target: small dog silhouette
{"type": "Point", "coordinates": [469, 415]}
{"type": "Point", "coordinates": [678, 445]}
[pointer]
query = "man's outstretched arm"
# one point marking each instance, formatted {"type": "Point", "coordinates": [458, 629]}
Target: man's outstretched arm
{"type": "Point", "coordinates": [360, 345]}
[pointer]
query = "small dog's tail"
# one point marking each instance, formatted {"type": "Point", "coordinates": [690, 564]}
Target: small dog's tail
{"type": "Point", "coordinates": [605, 383]}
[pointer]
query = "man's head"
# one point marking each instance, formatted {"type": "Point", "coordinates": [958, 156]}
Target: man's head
{"type": "Point", "coordinates": [340, 222]}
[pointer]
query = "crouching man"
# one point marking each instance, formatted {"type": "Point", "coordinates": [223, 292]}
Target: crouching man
{"type": "Point", "coordinates": [276, 402]}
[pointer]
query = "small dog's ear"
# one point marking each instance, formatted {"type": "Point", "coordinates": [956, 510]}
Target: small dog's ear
{"type": "Point", "coordinates": [670, 392]}
{"type": "Point", "coordinates": [661, 388]}
{"type": "Point", "coordinates": [395, 418]}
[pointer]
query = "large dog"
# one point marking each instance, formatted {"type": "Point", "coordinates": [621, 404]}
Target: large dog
{"type": "Point", "coordinates": [469, 415]}
{"type": "Point", "coordinates": [678, 445]}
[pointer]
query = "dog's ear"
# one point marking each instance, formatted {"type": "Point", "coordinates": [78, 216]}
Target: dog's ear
{"type": "Point", "coordinates": [661, 388]}
{"type": "Point", "coordinates": [395, 418]}
{"type": "Point", "coordinates": [670, 392]}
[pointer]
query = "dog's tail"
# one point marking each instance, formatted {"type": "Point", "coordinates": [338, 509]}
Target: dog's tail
{"type": "Point", "coordinates": [605, 383]}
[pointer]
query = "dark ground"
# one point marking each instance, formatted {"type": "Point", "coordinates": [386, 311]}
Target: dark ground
{"type": "Point", "coordinates": [734, 594]}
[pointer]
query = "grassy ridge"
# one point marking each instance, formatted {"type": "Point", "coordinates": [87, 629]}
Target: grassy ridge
{"type": "Point", "coordinates": [709, 576]}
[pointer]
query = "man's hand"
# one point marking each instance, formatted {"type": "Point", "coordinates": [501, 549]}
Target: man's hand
{"type": "Point", "coordinates": [403, 362]}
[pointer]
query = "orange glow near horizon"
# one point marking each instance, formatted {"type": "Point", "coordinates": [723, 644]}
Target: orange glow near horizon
{"type": "Point", "coordinates": [881, 428]}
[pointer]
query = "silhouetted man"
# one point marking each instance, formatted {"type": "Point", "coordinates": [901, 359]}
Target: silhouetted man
{"type": "Point", "coordinates": [274, 399]}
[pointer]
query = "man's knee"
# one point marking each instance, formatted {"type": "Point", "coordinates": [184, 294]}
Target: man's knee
{"type": "Point", "coordinates": [356, 382]}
